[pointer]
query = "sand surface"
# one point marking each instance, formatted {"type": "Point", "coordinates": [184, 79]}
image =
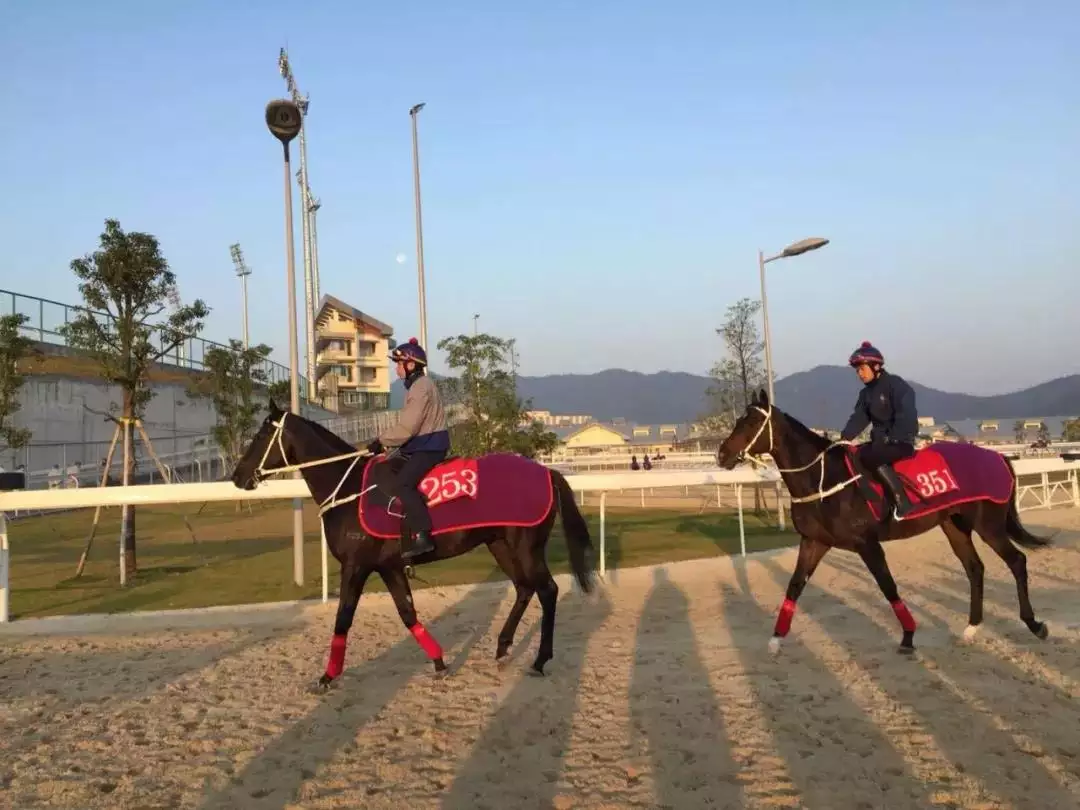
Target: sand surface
{"type": "Point", "coordinates": [662, 694]}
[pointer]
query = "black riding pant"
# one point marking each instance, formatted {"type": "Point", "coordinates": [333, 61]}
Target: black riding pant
{"type": "Point", "coordinates": [403, 485]}
{"type": "Point", "coordinates": [877, 454]}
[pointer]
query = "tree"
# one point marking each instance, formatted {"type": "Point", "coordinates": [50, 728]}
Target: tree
{"type": "Point", "coordinates": [125, 283]}
{"type": "Point", "coordinates": [1071, 432]}
{"type": "Point", "coordinates": [741, 372]}
{"type": "Point", "coordinates": [494, 417]}
{"type": "Point", "coordinates": [1042, 436]}
{"type": "Point", "coordinates": [1019, 432]}
{"type": "Point", "coordinates": [231, 378]}
{"type": "Point", "coordinates": [14, 349]}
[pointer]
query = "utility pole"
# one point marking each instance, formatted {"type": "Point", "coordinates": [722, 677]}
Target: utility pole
{"type": "Point", "coordinates": [302, 102]}
{"type": "Point", "coordinates": [242, 271]}
{"type": "Point", "coordinates": [422, 295]}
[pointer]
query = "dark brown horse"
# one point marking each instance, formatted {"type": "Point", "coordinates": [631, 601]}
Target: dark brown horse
{"type": "Point", "coordinates": [829, 510]}
{"type": "Point", "coordinates": [333, 471]}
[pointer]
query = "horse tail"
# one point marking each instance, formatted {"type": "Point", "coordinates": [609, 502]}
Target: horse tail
{"type": "Point", "coordinates": [576, 531]}
{"type": "Point", "coordinates": [1013, 526]}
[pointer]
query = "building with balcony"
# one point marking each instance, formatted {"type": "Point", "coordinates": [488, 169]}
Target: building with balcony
{"type": "Point", "coordinates": [352, 365]}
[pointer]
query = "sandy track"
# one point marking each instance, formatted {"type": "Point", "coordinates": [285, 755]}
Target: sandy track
{"type": "Point", "coordinates": [662, 694]}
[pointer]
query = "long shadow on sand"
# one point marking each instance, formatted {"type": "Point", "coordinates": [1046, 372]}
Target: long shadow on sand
{"type": "Point", "coordinates": [673, 703]}
{"type": "Point", "coordinates": [361, 693]}
{"type": "Point", "coordinates": [530, 730]}
{"type": "Point", "coordinates": [966, 735]}
{"type": "Point", "coordinates": [818, 728]}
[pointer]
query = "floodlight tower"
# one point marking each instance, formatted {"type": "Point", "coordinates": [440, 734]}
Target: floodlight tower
{"type": "Point", "coordinates": [314, 205]}
{"type": "Point", "coordinates": [173, 296]}
{"type": "Point", "coordinates": [302, 102]}
{"type": "Point", "coordinates": [242, 271]}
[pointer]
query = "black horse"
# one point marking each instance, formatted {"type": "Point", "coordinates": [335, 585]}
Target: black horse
{"type": "Point", "coordinates": [333, 471]}
{"type": "Point", "coordinates": [828, 512]}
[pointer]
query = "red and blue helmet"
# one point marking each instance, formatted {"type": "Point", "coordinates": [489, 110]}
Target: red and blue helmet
{"type": "Point", "coordinates": [409, 351]}
{"type": "Point", "coordinates": [866, 353]}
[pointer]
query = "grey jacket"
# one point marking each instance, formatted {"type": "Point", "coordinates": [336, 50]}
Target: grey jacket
{"type": "Point", "coordinates": [422, 424]}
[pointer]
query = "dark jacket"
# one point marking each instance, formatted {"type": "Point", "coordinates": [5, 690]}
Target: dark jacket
{"type": "Point", "coordinates": [888, 403]}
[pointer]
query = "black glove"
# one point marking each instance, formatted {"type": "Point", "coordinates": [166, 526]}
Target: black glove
{"type": "Point", "coordinates": [375, 447]}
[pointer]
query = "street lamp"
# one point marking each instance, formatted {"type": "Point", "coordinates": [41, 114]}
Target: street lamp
{"type": "Point", "coordinates": [419, 228]}
{"type": "Point", "coordinates": [284, 121]}
{"type": "Point", "coordinates": [475, 322]}
{"type": "Point", "coordinates": [794, 249]}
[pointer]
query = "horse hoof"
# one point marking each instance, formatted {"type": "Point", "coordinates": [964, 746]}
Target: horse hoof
{"type": "Point", "coordinates": [774, 644]}
{"type": "Point", "coordinates": [1041, 631]}
{"type": "Point", "coordinates": [970, 632]}
{"type": "Point", "coordinates": [905, 649]}
{"type": "Point", "coordinates": [322, 685]}
{"type": "Point", "coordinates": [440, 668]}
{"type": "Point", "coordinates": [535, 673]}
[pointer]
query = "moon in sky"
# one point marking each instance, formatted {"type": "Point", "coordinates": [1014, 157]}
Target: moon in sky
{"type": "Point", "coordinates": [400, 258]}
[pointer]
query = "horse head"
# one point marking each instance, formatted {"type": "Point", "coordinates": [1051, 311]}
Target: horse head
{"type": "Point", "coordinates": [269, 450]}
{"type": "Point", "coordinates": [752, 434]}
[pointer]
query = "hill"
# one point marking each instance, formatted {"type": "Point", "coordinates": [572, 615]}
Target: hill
{"type": "Point", "coordinates": [820, 397]}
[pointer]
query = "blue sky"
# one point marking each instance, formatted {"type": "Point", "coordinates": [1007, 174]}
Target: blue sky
{"type": "Point", "coordinates": [597, 177]}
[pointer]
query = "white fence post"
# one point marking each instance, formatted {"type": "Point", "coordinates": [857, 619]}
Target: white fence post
{"type": "Point", "coordinates": [5, 564]}
{"type": "Point", "coordinates": [603, 539]}
{"type": "Point", "coordinates": [325, 562]}
{"type": "Point", "coordinates": [742, 526]}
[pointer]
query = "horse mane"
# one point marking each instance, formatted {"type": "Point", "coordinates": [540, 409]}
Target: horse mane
{"type": "Point", "coordinates": [818, 441]}
{"type": "Point", "coordinates": [336, 442]}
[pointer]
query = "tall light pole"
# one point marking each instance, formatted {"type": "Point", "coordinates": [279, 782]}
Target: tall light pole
{"type": "Point", "coordinates": [795, 249]}
{"type": "Point", "coordinates": [475, 324]}
{"type": "Point", "coordinates": [302, 103]}
{"type": "Point", "coordinates": [284, 122]}
{"type": "Point", "coordinates": [242, 271]}
{"type": "Point", "coordinates": [419, 228]}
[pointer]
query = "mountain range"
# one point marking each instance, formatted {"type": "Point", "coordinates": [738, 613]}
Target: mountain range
{"type": "Point", "coordinates": [821, 397]}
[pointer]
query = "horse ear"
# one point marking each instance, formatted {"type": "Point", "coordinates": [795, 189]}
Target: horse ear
{"type": "Point", "coordinates": [763, 396]}
{"type": "Point", "coordinates": [273, 407]}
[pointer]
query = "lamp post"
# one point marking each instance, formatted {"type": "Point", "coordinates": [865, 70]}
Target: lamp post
{"type": "Point", "coordinates": [243, 271]}
{"type": "Point", "coordinates": [284, 121]}
{"type": "Point", "coordinates": [419, 228]}
{"type": "Point", "coordinates": [794, 249]}
{"type": "Point", "coordinates": [475, 324]}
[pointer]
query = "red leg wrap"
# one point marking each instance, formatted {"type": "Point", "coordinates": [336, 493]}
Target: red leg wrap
{"type": "Point", "coordinates": [907, 621]}
{"type": "Point", "coordinates": [783, 621]}
{"type": "Point", "coordinates": [428, 644]}
{"type": "Point", "coordinates": [336, 665]}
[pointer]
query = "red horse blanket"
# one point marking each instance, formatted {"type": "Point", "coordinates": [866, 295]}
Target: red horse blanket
{"type": "Point", "coordinates": [500, 489]}
{"type": "Point", "coordinates": [945, 474]}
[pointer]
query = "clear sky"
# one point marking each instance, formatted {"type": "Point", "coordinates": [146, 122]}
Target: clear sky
{"type": "Point", "coordinates": [597, 177]}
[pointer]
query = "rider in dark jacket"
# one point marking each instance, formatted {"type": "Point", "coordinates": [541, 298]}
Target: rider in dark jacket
{"type": "Point", "coordinates": [887, 403]}
{"type": "Point", "coordinates": [423, 441]}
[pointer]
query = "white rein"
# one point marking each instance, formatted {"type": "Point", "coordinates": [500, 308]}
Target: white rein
{"type": "Point", "coordinates": [822, 493]}
{"type": "Point", "coordinates": [330, 502]}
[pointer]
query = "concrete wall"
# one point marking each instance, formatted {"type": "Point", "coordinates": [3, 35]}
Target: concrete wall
{"type": "Point", "coordinates": [64, 415]}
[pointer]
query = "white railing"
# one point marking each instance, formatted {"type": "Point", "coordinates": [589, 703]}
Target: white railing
{"type": "Point", "coordinates": [1054, 476]}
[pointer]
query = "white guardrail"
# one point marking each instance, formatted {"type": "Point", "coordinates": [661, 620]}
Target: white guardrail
{"type": "Point", "coordinates": [1065, 480]}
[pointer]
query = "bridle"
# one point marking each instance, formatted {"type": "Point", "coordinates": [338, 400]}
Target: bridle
{"type": "Point", "coordinates": [756, 458]}
{"type": "Point", "coordinates": [332, 501]}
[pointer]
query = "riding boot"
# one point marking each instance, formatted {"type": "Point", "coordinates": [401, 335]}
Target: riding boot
{"type": "Point", "coordinates": [418, 543]}
{"type": "Point", "coordinates": [899, 495]}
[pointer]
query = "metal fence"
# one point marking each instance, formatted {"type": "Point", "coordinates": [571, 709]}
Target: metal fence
{"type": "Point", "coordinates": [47, 317]}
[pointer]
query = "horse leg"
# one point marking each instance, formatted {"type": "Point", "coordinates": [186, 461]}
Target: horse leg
{"type": "Point", "coordinates": [398, 586]}
{"type": "Point", "coordinates": [995, 535]}
{"type": "Point", "coordinates": [547, 591]}
{"type": "Point", "coordinates": [874, 556]}
{"type": "Point", "coordinates": [811, 550]}
{"type": "Point", "coordinates": [958, 532]}
{"type": "Point", "coordinates": [353, 579]}
{"type": "Point", "coordinates": [500, 550]}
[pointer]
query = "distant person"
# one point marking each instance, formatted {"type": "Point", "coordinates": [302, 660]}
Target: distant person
{"type": "Point", "coordinates": [646, 464]}
{"type": "Point", "coordinates": [633, 463]}
{"type": "Point", "coordinates": [887, 403]}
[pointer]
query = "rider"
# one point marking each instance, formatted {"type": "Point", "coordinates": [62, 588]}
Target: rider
{"type": "Point", "coordinates": [887, 403]}
{"type": "Point", "coordinates": [423, 441]}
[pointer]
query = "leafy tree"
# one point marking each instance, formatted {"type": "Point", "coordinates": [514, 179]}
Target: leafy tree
{"type": "Point", "coordinates": [1019, 433]}
{"type": "Point", "coordinates": [1043, 434]}
{"type": "Point", "coordinates": [741, 372]}
{"type": "Point", "coordinates": [129, 280]}
{"type": "Point", "coordinates": [232, 376]}
{"type": "Point", "coordinates": [1072, 430]}
{"type": "Point", "coordinates": [493, 417]}
{"type": "Point", "coordinates": [14, 349]}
